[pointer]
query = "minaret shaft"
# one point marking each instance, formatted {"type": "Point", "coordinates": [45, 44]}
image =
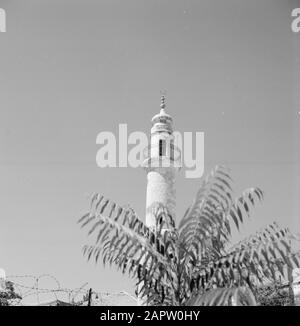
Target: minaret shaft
{"type": "Point", "coordinates": [162, 167]}
{"type": "Point", "coordinates": [160, 190]}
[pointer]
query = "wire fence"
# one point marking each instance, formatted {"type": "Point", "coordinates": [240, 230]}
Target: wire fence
{"type": "Point", "coordinates": [29, 288]}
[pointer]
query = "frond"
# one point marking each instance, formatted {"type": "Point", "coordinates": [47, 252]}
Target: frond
{"type": "Point", "coordinates": [258, 259]}
{"type": "Point", "coordinates": [243, 205]}
{"type": "Point", "coordinates": [267, 253]}
{"type": "Point", "coordinates": [206, 226]}
{"type": "Point", "coordinates": [215, 188]}
{"type": "Point", "coordinates": [124, 215]}
{"type": "Point", "coordinates": [123, 240]}
{"type": "Point", "coordinates": [232, 296]}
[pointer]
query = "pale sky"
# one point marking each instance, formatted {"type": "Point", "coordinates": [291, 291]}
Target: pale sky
{"type": "Point", "coordinates": [71, 69]}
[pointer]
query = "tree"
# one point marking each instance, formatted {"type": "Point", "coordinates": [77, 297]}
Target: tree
{"type": "Point", "coordinates": [194, 263]}
{"type": "Point", "coordinates": [274, 295]}
{"type": "Point", "coordinates": [8, 294]}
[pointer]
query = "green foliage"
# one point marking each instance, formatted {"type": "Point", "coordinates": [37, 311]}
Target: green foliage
{"type": "Point", "coordinates": [192, 264]}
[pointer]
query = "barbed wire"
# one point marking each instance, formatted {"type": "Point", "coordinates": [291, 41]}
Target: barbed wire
{"type": "Point", "coordinates": [34, 290]}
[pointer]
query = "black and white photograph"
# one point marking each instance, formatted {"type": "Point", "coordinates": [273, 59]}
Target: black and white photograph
{"type": "Point", "coordinates": [149, 156]}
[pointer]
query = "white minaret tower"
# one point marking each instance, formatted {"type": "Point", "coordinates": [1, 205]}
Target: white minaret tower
{"type": "Point", "coordinates": [162, 163]}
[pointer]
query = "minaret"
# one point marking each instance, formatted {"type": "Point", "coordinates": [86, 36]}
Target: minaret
{"type": "Point", "coordinates": [162, 163]}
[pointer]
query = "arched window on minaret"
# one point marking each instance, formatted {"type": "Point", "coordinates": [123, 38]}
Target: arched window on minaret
{"type": "Point", "coordinates": [172, 156]}
{"type": "Point", "coordinates": [162, 147]}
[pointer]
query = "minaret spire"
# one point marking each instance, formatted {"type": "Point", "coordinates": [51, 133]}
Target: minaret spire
{"type": "Point", "coordinates": [163, 102]}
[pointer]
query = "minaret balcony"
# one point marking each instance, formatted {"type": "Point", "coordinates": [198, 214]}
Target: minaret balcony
{"type": "Point", "coordinates": [162, 127]}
